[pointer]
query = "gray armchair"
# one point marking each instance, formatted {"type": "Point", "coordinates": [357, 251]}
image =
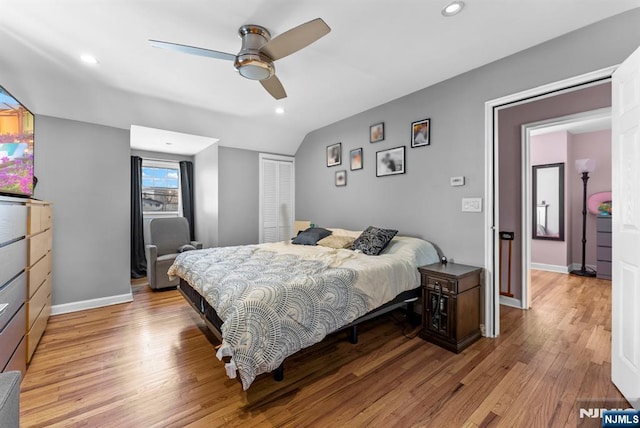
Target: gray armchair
{"type": "Point", "coordinates": [167, 238]}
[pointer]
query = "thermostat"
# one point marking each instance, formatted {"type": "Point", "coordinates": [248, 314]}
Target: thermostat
{"type": "Point", "coordinates": [457, 181]}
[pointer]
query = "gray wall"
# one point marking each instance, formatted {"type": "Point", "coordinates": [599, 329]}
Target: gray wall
{"type": "Point", "coordinates": [421, 202]}
{"type": "Point", "coordinates": [84, 170]}
{"type": "Point", "coordinates": [238, 197]}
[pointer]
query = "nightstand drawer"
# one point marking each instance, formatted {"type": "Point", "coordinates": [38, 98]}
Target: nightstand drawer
{"type": "Point", "coordinates": [436, 283]}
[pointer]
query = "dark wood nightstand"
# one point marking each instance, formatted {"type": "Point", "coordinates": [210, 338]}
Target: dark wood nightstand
{"type": "Point", "coordinates": [451, 305]}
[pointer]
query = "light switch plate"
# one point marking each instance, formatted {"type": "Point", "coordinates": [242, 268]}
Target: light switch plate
{"type": "Point", "coordinates": [457, 181]}
{"type": "Point", "coordinates": [472, 205]}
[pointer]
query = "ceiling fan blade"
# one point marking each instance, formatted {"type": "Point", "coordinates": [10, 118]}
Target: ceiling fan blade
{"type": "Point", "coordinates": [274, 87]}
{"type": "Point", "coordinates": [192, 50]}
{"type": "Point", "coordinates": [295, 39]}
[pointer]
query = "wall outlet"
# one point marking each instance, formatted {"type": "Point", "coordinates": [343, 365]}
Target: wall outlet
{"type": "Point", "coordinates": [457, 181]}
{"type": "Point", "coordinates": [472, 205]}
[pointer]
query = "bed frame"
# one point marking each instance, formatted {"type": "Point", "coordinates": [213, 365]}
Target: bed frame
{"type": "Point", "coordinates": [214, 323]}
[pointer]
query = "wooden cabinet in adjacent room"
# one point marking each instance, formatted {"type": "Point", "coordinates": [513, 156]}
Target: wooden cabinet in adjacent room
{"type": "Point", "coordinates": [39, 263]}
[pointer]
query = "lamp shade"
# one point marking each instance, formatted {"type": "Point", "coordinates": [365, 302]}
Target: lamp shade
{"type": "Point", "coordinates": [585, 165]}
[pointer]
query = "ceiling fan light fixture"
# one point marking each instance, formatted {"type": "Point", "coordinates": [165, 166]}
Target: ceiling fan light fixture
{"type": "Point", "coordinates": [254, 67]}
{"type": "Point", "coordinates": [453, 8]}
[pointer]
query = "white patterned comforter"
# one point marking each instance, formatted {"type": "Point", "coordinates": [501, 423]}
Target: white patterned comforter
{"type": "Point", "coordinates": [275, 299]}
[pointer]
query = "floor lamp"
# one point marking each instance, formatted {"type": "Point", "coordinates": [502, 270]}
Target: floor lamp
{"type": "Point", "coordinates": [584, 166]}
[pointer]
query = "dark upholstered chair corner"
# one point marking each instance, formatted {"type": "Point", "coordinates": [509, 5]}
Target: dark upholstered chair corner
{"type": "Point", "coordinates": [166, 236]}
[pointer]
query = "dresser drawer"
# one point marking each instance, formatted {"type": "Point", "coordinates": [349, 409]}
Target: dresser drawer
{"type": "Point", "coordinates": [46, 217]}
{"type": "Point", "coordinates": [35, 334]}
{"type": "Point", "coordinates": [604, 239]}
{"type": "Point", "coordinates": [13, 222]}
{"type": "Point", "coordinates": [13, 294]}
{"type": "Point", "coordinates": [11, 336]}
{"type": "Point", "coordinates": [604, 268]}
{"type": "Point", "coordinates": [39, 245]}
{"type": "Point", "coordinates": [13, 260]}
{"type": "Point", "coordinates": [603, 224]}
{"type": "Point", "coordinates": [38, 273]}
{"type": "Point", "coordinates": [603, 254]}
{"type": "Point", "coordinates": [19, 359]}
{"type": "Point", "coordinates": [36, 303]}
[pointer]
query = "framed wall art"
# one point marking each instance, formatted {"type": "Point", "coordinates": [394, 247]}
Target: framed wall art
{"type": "Point", "coordinates": [376, 132]}
{"type": "Point", "coordinates": [390, 162]}
{"type": "Point", "coordinates": [334, 154]}
{"type": "Point", "coordinates": [421, 133]}
{"type": "Point", "coordinates": [355, 157]}
{"type": "Point", "coordinates": [341, 178]}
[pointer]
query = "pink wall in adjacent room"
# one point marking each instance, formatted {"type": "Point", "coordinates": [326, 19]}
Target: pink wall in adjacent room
{"type": "Point", "coordinates": [546, 149]}
{"type": "Point", "coordinates": [593, 145]}
{"type": "Point", "coordinates": [509, 149]}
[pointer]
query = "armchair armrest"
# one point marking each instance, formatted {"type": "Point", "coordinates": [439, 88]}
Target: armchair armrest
{"type": "Point", "coordinates": [197, 244]}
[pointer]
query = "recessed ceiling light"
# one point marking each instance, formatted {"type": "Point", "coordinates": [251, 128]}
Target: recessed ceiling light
{"type": "Point", "coordinates": [89, 59]}
{"type": "Point", "coordinates": [453, 8]}
{"type": "Point", "coordinates": [279, 110]}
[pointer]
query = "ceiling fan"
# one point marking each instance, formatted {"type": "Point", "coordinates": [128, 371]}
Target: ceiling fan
{"type": "Point", "coordinates": [259, 51]}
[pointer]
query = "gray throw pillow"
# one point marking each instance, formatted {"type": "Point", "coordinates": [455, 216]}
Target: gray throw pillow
{"type": "Point", "coordinates": [311, 236]}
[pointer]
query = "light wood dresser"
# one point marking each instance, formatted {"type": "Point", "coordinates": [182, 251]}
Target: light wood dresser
{"type": "Point", "coordinates": [25, 278]}
{"type": "Point", "coordinates": [39, 262]}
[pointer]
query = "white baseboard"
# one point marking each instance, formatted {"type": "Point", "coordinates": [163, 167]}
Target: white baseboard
{"type": "Point", "coordinates": [66, 308]}
{"type": "Point", "coordinates": [510, 301]}
{"type": "Point", "coordinates": [551, 268]}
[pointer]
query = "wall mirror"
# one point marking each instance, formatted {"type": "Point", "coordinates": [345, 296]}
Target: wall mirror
{"type": "Point", "coordinates": [548, 202]}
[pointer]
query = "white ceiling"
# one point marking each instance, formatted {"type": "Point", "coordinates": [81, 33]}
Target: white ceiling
{"type": "Point", "coordinates": [378, 50]}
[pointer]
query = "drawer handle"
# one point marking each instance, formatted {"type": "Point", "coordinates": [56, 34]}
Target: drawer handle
{"type": "Point", "coordinates": [3, 307]}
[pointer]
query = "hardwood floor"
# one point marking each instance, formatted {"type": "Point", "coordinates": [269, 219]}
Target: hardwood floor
{"type": "Point", "coordinates": [151, 363]}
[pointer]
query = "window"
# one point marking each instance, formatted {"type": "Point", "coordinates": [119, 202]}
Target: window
{"type": "Point", "coordinates": [160, 188]}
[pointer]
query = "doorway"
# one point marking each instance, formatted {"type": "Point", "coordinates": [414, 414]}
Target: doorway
{"type": "Point", "coordinates": [504, 118]}
{"type": "Point", "coordinates": [561, 141]}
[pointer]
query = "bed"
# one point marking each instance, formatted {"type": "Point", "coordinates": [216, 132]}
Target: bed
{"type": "Point", "coordinates": [268, 301]}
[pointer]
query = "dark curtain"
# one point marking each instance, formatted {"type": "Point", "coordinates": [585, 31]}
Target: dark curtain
{"type": "Point", "coordinates": [138, 260]}
{"type": "Point", "coordinates": [186, 183]}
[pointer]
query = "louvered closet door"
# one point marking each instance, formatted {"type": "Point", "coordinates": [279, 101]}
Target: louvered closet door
{"type": "Point", "coordinates": [276, 198]}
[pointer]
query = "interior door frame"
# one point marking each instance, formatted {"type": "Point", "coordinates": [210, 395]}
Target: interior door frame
{"type": "Point", "coordinates": [492, 197]}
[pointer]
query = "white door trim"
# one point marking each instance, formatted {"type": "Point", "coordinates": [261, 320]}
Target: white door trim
{"type": "Point", "coordinates": [491, 241]}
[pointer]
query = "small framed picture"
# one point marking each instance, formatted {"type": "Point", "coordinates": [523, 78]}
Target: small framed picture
{"type": "Point", "coordinates": [341, 178]}
{"type": "Point", "coordinates": [355, 156]}
{"type": "Point", "coordinates": [334, 154]}
{"type": "Point", "coordinates": [390, 162]}
{"type": "Point", "coordinates": [420, 133]}
{"type": "Point", "coordinates": [376, 132]}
